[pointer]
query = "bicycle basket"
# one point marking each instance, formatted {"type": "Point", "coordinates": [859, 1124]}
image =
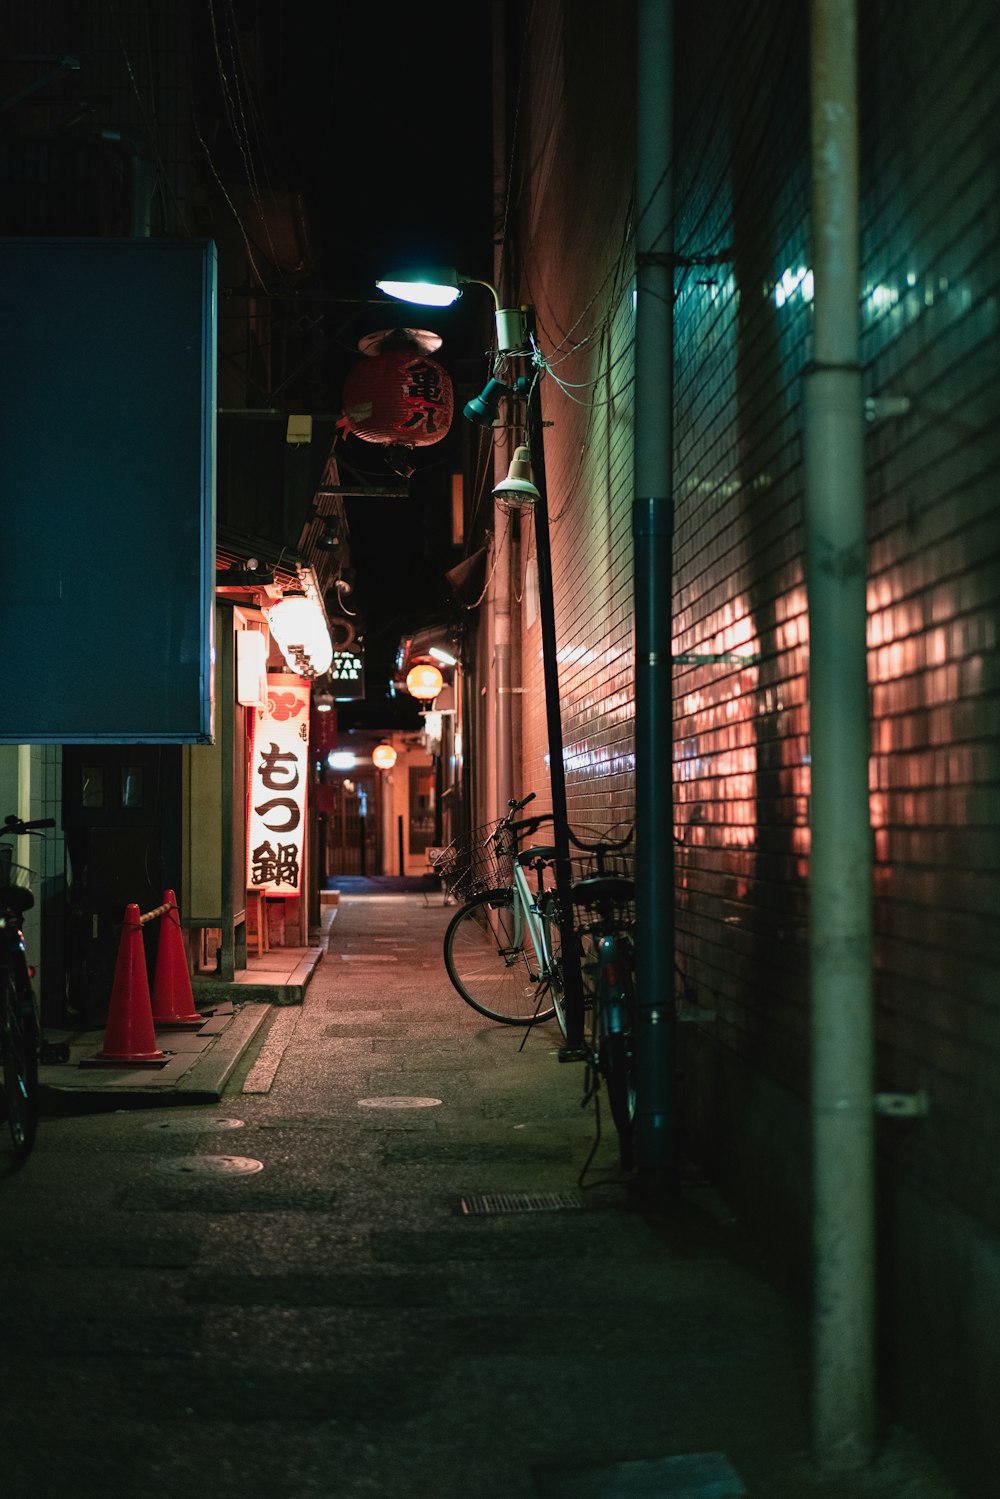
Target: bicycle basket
{"type": "Point", "coordinates": [14, 876]}
{"type": "Point", "coordinates": [475, 862]}
{"type": "Point", "coordinates": [604, 890]}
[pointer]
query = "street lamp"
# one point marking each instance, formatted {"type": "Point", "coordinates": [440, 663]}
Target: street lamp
{"type": "Point", "coordinates": [441, 286]}
{"type": "Point", "coordinates": [515, 337]}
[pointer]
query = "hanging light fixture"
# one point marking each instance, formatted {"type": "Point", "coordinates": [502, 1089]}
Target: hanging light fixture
{"type": "Point", "coordinates": [424, 681]}
{"type": "Point", "coordinates": [518, 488]}
{"type": "Point", "coordinates": [298, 625]}
{"type": "Point", "coordinates": [383, 756]}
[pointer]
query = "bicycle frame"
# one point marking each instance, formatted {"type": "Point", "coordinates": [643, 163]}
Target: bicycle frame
{"type": "Point", "coordinates": [528, 917]}
{"type": "Point", "coordinates": [527, 914]}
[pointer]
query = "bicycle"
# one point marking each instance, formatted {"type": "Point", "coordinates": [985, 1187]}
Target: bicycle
{"type": "Point", "coordinates": [20, 1026]}
{"type": "Point", "coordinates": [605, 929]}
{"type": "Point", "coordinates": [501, 948]}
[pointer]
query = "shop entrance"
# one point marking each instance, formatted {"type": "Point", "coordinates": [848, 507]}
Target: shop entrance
{"type": "Point", "coordinates": [121, 810]}
{"type": "Point", "coordinates": [352, 844]}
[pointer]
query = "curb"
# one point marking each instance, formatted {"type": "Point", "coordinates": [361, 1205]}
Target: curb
{"type": "Point", "coordinates": [196, 1072]}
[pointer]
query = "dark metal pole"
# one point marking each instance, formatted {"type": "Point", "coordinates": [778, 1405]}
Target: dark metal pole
{"type": "Point", "coordinates": [553, 719]}
{"type": "Point", "coordinates": [652, 530]}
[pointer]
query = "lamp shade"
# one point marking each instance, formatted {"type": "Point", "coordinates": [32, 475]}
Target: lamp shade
{"type": "Point", "coordinates": [383, 756]}
{"type": "Point", "coordinates": [399, 397]}
{"type": "Point", "coordinates": [429, 286]}
{"type": "Point", "coordinates": [519, 487]}
{"type": "Point", "coordinates": [297, 624]}
{"type": "Point", "coordinates": [424, 681]}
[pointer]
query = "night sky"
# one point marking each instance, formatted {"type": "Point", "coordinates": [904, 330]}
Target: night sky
{"type": "Point", "coordinates": [382, 119]}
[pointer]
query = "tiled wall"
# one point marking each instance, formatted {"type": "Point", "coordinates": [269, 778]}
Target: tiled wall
{"type": "Point", "coordinates": [586, 328]}
{"type": "Point", "coordinates": [928, 315]}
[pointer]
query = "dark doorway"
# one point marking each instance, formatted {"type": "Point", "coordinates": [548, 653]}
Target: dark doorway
{"type": "Point", "coordinates": [121, 817]}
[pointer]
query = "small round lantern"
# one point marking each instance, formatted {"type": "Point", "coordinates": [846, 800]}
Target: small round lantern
{"type": "Point", "coordinates": [383, 756]}
{"type": "Point", "coordinates": [424, 681]}
{"type": "Point", "coordinates": [398, 396]}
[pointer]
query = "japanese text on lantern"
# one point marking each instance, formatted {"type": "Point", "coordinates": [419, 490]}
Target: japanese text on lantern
{"type": "Point", "coordinates": [423, 397]}
{"type": "Point", "coordinates": [278, 777]}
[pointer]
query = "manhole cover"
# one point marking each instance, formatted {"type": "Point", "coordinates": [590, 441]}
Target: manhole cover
{"type": "Point", "coordinates": [398, 1103]}
{"type": "Point", "coordinates": [211, 1165]}
{"type": "Point", "coordinates": [192, 1124]}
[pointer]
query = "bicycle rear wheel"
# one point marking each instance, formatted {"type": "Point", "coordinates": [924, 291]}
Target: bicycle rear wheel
{"type": "Point", "coordinates": [494, 973]}
{"type": "Point", "coordinates": [617, 1069]}
{"type": "Point", "coordinates": [19, 1059]}
{"type": "Point", "coordinates": [615, 1015]}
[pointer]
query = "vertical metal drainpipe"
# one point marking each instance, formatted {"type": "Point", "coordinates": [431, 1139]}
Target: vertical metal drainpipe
{"type": "Point", "coordinates": [504, 534]}
{"type": "Point", "coordinates": [840, 861]}
{"type": "Point", "coordinates": [652, 531]}
{"type": "Point", "coordinates": [502, 672]}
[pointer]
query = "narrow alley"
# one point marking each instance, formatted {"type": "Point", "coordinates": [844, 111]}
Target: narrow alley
{"type": "Point", "coordinates": [281, 1294]}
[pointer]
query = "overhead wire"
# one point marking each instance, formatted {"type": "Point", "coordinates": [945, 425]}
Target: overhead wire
{"type": "Point", "coordinates": [236, 117]}
{"type": "Point", "coordinates": [150, 123]}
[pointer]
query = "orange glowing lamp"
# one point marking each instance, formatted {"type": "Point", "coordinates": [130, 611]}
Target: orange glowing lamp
{"type": "Point", "coordinates": [383, 756]}
{"type": "Point", "coordinates": [424, 681]}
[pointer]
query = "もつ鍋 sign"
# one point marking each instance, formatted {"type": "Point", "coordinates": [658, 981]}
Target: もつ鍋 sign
{"type": "Point", "coordinates": [278, 774]}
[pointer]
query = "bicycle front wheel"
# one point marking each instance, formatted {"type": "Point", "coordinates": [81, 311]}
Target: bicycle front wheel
{"type": "Point", "coordinates": [19, 1059]}
{"type": "Point", "coordinates": [494, 972]}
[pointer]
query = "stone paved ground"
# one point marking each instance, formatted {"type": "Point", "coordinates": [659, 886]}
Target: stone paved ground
{"type": "Point", "coordinates": [331, 1326]}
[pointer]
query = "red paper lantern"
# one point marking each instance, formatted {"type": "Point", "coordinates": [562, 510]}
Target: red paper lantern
{"type": "Point", "coordinates": [399, 397]}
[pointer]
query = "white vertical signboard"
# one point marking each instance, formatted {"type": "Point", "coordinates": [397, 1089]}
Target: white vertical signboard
{"type": "Point", "coordinates": [279, 767]}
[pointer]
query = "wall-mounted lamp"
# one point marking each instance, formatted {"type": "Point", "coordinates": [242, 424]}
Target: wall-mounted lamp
{"type": "Point", "coordinates": [518, 488]}
{"type": "Point", "coordinates": [440, 286]}
{"type": "Point", "coordinates": [323, 702]}
{"type": "Point", "coordinates": [383, 757]}
{"type": "Point", "coordinates": [445, 657]}
{"type": "Point", "coordinates": [483, 409]}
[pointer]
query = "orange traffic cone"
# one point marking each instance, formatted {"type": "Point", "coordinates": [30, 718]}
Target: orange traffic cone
{"type": "Point", "coordinates": [129, 1039]}
{"type": "Point", "coordinates": [173, 1000]}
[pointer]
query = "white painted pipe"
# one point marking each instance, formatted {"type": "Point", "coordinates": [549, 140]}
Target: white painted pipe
{"type": "Point", "coordinates": [843, 1377]}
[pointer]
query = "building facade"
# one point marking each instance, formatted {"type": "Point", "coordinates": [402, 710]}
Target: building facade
{"type": "Point", "coordinates": [740, 244]}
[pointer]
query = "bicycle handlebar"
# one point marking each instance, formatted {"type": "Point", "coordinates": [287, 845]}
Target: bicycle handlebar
{"type": "Point", "coordinates": [604, 845]}
{"type": "Point", "coordinates": [515, 806]}
{"type": "Point", "coordinates": [13, 826]}
{"type": "Point", "coordinates": [530, 824]}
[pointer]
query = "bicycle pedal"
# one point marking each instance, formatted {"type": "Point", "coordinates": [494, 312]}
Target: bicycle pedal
{"type": "Point", "coordinates": [574, 1054]}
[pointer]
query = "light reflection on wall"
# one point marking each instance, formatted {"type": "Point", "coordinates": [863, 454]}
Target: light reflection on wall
{"type": "Point", "coordinates": [716, 748]}
{"type": "Point", "coordinates": [926, 661]}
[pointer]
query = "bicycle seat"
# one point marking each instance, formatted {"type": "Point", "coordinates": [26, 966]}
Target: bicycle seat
{"type": "Point", "coordinates": [599, 887]}
{"type": "Point", "coordinates": [529, 855]}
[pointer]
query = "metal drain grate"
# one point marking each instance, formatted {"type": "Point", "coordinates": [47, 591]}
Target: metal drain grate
{"type": "Point", "coordinates": [484, 1203]}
